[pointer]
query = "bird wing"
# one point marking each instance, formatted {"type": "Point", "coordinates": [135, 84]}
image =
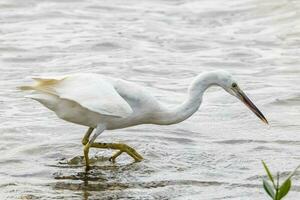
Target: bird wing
{"type": "Point", "coordinates": [91, 91]}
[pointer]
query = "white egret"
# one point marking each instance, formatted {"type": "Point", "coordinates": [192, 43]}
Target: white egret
{"type": "Point", "coordinates": [104, 103]}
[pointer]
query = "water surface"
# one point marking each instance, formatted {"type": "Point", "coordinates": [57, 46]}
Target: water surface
{"type": "Point", "coordinates": [162, 45]}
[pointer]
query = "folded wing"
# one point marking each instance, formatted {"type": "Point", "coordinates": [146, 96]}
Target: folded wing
{"type": "Point", "coordinates": [89, 90]}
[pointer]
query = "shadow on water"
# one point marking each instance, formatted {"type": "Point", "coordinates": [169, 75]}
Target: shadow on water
{"type": "Point", "coordinates": [105, 176]}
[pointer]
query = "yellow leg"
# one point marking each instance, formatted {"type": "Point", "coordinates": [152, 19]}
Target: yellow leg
{"type": "Point", "coordinates": [86, 156]}
{"type": "Point", "coordinates": [121, 147]}
{"type": "Point", "coordinates": [87, 135]}
{"type": "Point", "coordinates": [85, 142]}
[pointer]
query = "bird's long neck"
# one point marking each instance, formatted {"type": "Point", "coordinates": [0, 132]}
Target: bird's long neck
{"type": "Point", "coordinates": [191, 104]}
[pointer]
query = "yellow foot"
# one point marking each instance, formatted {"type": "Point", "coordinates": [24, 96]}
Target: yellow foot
{"type": "Point", "coordinates": [113, 158]}
{"type": "Point", "coordinates": [122, 148]}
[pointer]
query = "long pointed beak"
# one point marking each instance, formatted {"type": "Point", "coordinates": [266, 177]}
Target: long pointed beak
{"type": "Point", "coordinates": [243, 97]}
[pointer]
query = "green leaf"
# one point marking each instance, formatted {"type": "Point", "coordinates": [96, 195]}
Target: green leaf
{"type": "Point", "coordinates": [268, 172]}
{"type": "Point", "coordinates": [292, 173]}
{"type": "Point", "coordinates": [284, 188]}
{"type": "Point", "coordinates": [268, 188]}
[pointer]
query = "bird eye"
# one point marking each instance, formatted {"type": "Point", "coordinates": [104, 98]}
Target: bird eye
{"type": "Point", "coordinates": [234, 85]}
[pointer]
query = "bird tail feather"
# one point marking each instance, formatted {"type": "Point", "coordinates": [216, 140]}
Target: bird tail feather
{"type": "Point", "coordinates": [44, 85]}
{"type": "Point", "coordinates": [26, 87]}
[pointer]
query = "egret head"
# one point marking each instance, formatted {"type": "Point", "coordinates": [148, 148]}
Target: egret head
{"type": "Point", "coordinates": [230, 85]}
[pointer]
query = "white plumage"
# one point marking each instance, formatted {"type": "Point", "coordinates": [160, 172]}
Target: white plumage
{"type": "Point", "coordinates": [106, 103]}
{"type": "Point", "coordinates": [93, 99]}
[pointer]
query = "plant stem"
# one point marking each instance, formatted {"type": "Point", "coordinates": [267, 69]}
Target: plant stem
{"type": "Point", "coordinates": [277, 187]}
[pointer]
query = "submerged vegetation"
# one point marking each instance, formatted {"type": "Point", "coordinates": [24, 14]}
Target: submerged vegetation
{"type": "Point", "coordinates": [275, 190]}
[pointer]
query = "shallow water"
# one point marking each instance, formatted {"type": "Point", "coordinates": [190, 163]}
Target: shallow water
{"type": "Point", "coordinates": [216, 154]}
